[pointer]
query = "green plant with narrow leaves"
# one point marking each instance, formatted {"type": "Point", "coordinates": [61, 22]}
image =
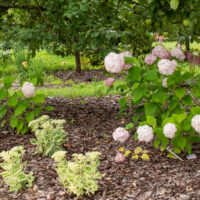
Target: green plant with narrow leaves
{"type": "Point", "coordinates": [80, 176]}
{"type": "Point", "coordinates": [14, 175]}
{"type": "Point", "coordinates": [49, 133]}
{"type": "Point", "coordinates": [16, 109]}
{"type": "Point", "coordinates": [157, 104]}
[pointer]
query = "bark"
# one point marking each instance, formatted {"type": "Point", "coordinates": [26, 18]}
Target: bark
{"type": "Point", "coordinates": [187, 44]}
{"type": "Point", "coordinates": [78, 61]}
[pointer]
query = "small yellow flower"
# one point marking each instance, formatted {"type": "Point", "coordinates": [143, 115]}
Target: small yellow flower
{"type": "Point", "coordinates": [121, 149]}
{"type": "Point", "coordinates": [24, 64]}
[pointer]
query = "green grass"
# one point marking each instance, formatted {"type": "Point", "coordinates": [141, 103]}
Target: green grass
{"type": "Point", "coordinates": [171, 45]}
{"type": "Point", "coordinates": [54, 62]}
{"type": "Point", "coordinates": [95, 89]}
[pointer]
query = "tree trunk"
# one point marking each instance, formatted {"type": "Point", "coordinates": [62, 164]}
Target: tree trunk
{"type": "Point", "coordinates": [78, 61]}
{"type": "Point", "coordinates": [187, 43]}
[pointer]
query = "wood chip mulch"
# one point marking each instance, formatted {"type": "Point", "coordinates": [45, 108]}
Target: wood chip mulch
{"type": "Point", "coordinates": [90, 123]}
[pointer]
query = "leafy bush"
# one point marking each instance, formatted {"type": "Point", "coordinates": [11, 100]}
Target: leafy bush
{"type": "Point", "coordinates": [14, 175]}
{"type": "Point", "coordinates": [79, 176]}
{"type": "Point", "coordinates": [16, 109]}
{"type": "Point", "coordinates": [49, 133]}
{"type": "Point", "coordinates": [162, 101]}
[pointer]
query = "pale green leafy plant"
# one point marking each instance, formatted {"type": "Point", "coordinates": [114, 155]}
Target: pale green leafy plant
{"type": "Point", "coordinates": [80, 176]}
{"type": "Point", "coordinates": [49, 133]}
{"type": "Point", "coordinates": [14, 175]}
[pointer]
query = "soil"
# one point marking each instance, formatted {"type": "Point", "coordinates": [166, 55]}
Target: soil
{"type": "Point", "coordinates": [90, 123]}
{"type": "Point", "coordinates": [85, 76]}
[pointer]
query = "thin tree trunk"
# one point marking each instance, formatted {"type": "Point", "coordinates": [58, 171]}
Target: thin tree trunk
{"type": "Point", "coordinates": [187, 43]}
{"type": "Point", "coordinates": [78, 61]}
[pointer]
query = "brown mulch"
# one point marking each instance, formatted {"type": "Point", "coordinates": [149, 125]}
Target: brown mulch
{"type": "Point", "coordinates": [90, 123]}
{"type": "Point", "coordinates": [85, 76]}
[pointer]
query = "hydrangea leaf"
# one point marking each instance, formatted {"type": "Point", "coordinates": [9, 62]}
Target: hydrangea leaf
{"type": "Point", "coordinates": [145, 156]}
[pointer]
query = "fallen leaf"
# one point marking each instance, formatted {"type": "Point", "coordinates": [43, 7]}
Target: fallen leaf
{"type": "Point", "coordinates": [121, 149]}
{"type": "Point", "coordinates": [145, 156]}
{"type": "Point", "coordinates": [137, 150]}
{"type": "Point", "coordinates": [135, 157]}
{"type": "Point", "coordinates": [127, 153]}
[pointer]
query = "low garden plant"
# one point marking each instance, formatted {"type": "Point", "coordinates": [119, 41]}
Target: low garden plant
{"type": "Point", "coordinates": [14, 169]}
{"type": "Point", "coordinates": [49, 133]}
{"type": "Point", "coordinates": [80, 176]}
{"type": "Point", "coordinates": [19, 107]}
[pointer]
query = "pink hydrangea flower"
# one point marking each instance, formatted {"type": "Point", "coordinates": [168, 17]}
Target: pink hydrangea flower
{"type": "Point", "coordinates": [156, 50]}
{"type": "Point", "coordinates": [178, 53]}
{"type": "Point", "coordinates": [120, 135]}
{"type": "Point", "coordinates": [28, 89]}
{"type": "Point", "coordinates": [119, 157]}
{"type": "Point", "coordinates": [174, 62]}
{"type": "Point", "coordinates": [150, 59]}
{"type": "Point", "coordinates": [164, 82]}
{"type": "Point", "coordinates": [166, 67]}
{"type": "Point", "coordinates": [123, 55]}
{"type": "Point", "coordinates": [113, 63]}
{"type": "Point", "coordinates": [109, 82]}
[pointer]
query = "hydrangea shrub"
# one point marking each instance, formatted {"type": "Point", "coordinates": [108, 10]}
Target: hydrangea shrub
{"type": "Point", "coordinates": [80, 175]}
{"type": "Point", "coordinates": [49, 133]}
{"type": "Point", "coordinates": [163, 100]}
{"type": "Point", "coordinates": [19, 106]}
{"type": "Point", "coordinates": [14, 175]}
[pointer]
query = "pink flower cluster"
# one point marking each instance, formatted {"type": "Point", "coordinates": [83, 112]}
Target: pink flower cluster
{"type": "Point", "coordinates": [161, 52]}
{"type": "Point", "coordinates": [109, 82]}
{"type": "Point", "coordinates": [150, 59]}
{"type": "Point", "coordinates": [115, 63]}
{"type": "Point", "coordinates": [119, 157]}
{"type": "Point", "coordinates": [178, 53]}
{"type": "Point", "coordinates": [120, 135]}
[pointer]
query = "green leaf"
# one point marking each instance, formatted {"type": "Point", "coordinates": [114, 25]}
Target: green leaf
{"type": "Point", "coordinates": [13, 121]}
{"type": "Point", "coordinates": [20, 108]}
{"type": "Point", "coordinates": [176, 150]}
{"type": "Point", "coordinates": [165, 142]}
{"type": "Point", "coordinates": [174, 4]}
{"type": "Point", "coordinates": [159, 97]}
{"type": "Point", "coordinates": [187, 100]}
{"type": "Point", "coordinates": [186, 76]}
{"type": "Point", "coordinates": [38, 98]}
{"type": "Point", "coordinates": [3, 111]}
{"type": "Point", "coordinates": [3, 93]}
{"type": "Point", "coordinates": [180, 92]}
{"type": "Point", "coordinates": [188, 148]}
{"type": "Point", "coordinates": [134, 74]}
{"type": "Point", "coordinates": [135, 118]}
{"type": "Point", "coordinates": [173, 103]}
{"type": "Point", "coordinates": [49, 108]}
{"type": "Point", "coordinates": [157, 143]}
{"type": "Point", "coordinates": [150, 109]}
{"type": "Point", "coordinates": [88, 169]}
{"type": "Point", "coordinates": [33, 141]}
{"type": "Point", "coordinates": [179, 117]}
{"type": "Point", "coordinates": [151, 121]}
{"type": "Point", "coordinates": [7, 81]}
{"type": "Point", "coordinates": [29, 116]}
{"type": "Point", "coordinates": [151, 75]}
{"type": "Point", "coordinates": [12, 101]}
{"type": "Point", "coordinates": [129, 126]}
{"type": "Point", "coordinates": [138, 93]}
{"type": "Point", "coordinates": [20, 125]}
{"type": "Point", "coordinates": [195, 110]}
{"type": "Point", "coordinates": [181, 142]}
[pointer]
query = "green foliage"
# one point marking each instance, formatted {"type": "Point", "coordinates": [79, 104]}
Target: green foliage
{"type": "Point", "coordinates": [49, 134]}
{"type": "Point", "coordinates": [29, 69]}
{"type": "Point", "coordinates": [16, 109]}
{"type": "Point", "coordinates": [159, 105]}
{"type": "Point", "coordinates": [79, 176]}
{"type": "Point", "coordinates": [14, 175]}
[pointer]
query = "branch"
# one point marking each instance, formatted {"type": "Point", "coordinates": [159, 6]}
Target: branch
{"type": "Point", "coordinates": [29, 7]}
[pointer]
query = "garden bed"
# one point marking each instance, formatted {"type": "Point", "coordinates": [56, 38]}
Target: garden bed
{"type": "Point", "coordinates": [90, 123]}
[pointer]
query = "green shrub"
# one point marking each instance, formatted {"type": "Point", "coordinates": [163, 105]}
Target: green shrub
{"type": "Point", "coordinates": [49, 133]}
{"type": "Point", "coordinates": [14, 175]}
{"type": "Point", "coordinates": [15, 108]}
{"type": "Point", "coordinates": [79, 176]}
{"type": "Point", "coordinates": [156, 105]}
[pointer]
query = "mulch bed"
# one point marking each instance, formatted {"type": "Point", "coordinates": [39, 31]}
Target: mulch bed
{"type": "Point", "coordinates": [85, 76]}
{"type": "Point", "coordinates": [92, 122]}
